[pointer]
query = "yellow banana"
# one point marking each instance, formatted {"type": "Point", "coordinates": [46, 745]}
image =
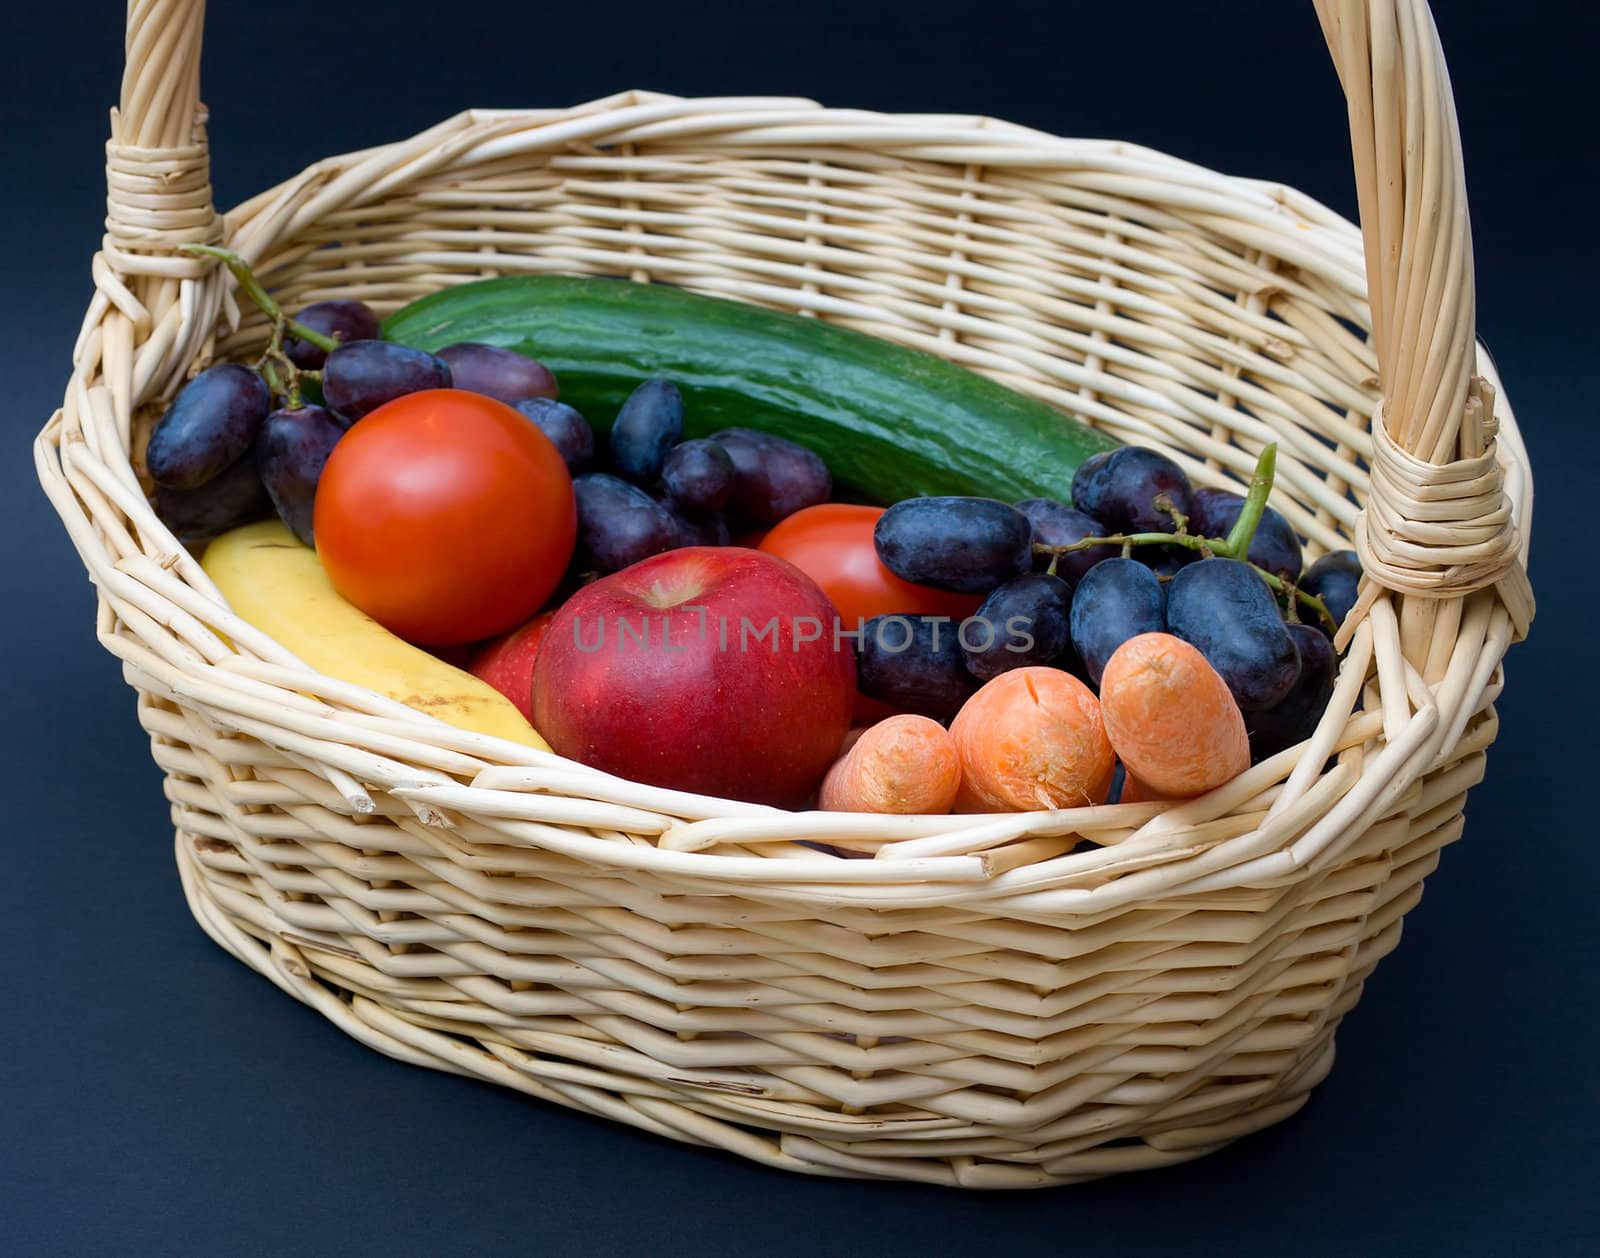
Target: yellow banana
{"type": "Point", "coordinates": [279, 586]}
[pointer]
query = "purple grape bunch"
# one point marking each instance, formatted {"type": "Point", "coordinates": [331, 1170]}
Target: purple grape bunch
{"type": "Point", "coordinates": [1139, 549]}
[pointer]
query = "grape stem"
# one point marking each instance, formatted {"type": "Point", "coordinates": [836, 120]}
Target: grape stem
{"type": "Point", "coordinates": [1235, 546]}
{"type": "Point", "coordinates": [275, 365]}
{"type": "Point", "coordinates": [1239, 537]}
{"type": "Point", "coordinates": [268, 366]}
{"type": "Point", "coordinates": [250, 286]}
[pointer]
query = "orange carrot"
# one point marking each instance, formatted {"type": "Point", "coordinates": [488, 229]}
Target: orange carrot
{"type": "Point", "coordinates": [905, 764]}
{"type": "Point", "coordinates": [1032, 738]}
{"type": "Point", "coordinates": [1136, 792]}
{"type": "Point", "coordinates": [1171, 717]}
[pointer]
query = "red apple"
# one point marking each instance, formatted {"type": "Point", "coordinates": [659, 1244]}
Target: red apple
{"type": "Point", "coordinates": [706, 669]}
{"type": "Point", "coordinates": [506, 662]}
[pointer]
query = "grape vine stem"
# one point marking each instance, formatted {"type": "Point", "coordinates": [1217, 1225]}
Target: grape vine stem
{"type": "Point", "coordinates": [1235, 546]}
{"type": "Point", "coordinates": [250, 286]}
{"type": "Point", "coordinates": [276, 367]}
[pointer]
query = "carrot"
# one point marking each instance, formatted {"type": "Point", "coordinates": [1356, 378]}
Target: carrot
{"type": "Point", "coordinates": [1171, 717]}
{"type": "Point", "coordinates": [1032, 738]}
{"type": "Point", "coordinates": [905, 764]}
{"type": "Point", "coordinates": [851, 737]}
{"type": "Point", "coordinates": [1136, 792]}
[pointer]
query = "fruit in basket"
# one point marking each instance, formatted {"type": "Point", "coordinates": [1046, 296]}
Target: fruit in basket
{"type": "Point", "coordinates": [913, 664]}
{"type": "Point", "coordinates": [446, 516]}
{"type": "Point", "coordinates": [506, 663]}
{"type": "Point", "coordinates": [233, 497]}
{"type": "Point", "coordinates": [837, 392]}
{"type": "Point", "coordinates": [361, 376]}
{"type": "Point", "coordinates": [342, 320]}
{"type": "Point", "coordinates": [1294, 717]}
{"type": "Point", "coordinates": [1132, 490]}
{"type": "Point", "coordinates": [704, 669]}
{"type": "Point", "coordinates": [700, 530]}
{"type": "Point", "coordinates": [1027, 621]}
{"type": "Point", "coordinates": [1118, 599]}
{"type": "Point", "coordinates": [1056, 524]}
{"type": "Point", "coordinates": [647, 426]}
{"type": "Point", "coordinates": [1171, 718]}
{"type": "Point", "coordinates": [1273, 545]}
{"type": "Point", "coordinates": [1223, 607]}
{"type": "Point", "coordinates": [698, 476]}
{"type": "Point", "coordinates": [291, 450]}
{"type": "Point", "coordinates": [1336, 580]}
{"type": "Point", "coordinates": [905, 764]}
{"type": "Point", "coordinates": [969, 545]}
{"type": "Point", "coordinates": [502, 374]}
{"type": "Point", "coordinates": [274, 583]}
{"type": "Point", "coordinates": [773, 476]}
{"type": "Point", "coordinates": [832, 544]}
{"type": "Point", "coordinates": [568, 431]}
{"type": "Point", "coordinates": [208, 427]}
{"type": "Point", "coordinates": [1030, 739]}
{"type": "Point", "coordinates": [619, 524]}
{"type": "Point", "coordinates": [1136, 792]}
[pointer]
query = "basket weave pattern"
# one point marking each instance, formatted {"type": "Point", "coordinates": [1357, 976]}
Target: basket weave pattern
{"type": "Point", "coordinates": [986, 1001]}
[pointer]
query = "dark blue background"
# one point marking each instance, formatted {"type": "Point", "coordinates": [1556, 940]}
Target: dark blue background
{"type": "Point", "coordinates": [157, 1097]}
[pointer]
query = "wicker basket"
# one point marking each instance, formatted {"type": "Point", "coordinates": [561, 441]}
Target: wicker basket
{"type": "Point", "coordinates": [990, 1001]}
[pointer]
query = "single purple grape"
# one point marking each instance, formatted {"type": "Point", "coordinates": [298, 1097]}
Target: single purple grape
{"type": "Point", "coordinates": [1132, 490]}
{"type": "Point", "coordinates": [208, 427]}
{"type": "Point", "coordinates": [233, 497]}
{"type": "Point", "coordinates": [343, 320]}
{"type": "Point", "coordinates": [361, 376]}
{"type": "Point", "coordinates": [1119, 599]}
{"type": "Point", "coordinates": [1294, 717]}
{"type": "Point", "coordinates": [970, 545]}
{"type": "Point", "coordinates": [291, 451]}
{"type": "Point", "coordinates": [1056, 524]}
{"type": "Point", "coordinates": [568, 431]}
{"type": "Point", "coordinates": [1336, 580]}
{"type": "Point", "coordinates": [502, 374]}
{"type": "Point", "coordinates": [699, 476]}
{"type": "Point", "coordinates": [701, 530]}
{"type": "Point", "coordinates": [1023, 623]}
{"type": "Point", "coordinates": [1224, 609]}
{"type": "Point", "coordinates": [649, 424]}
{"type": "Point", "coordinates": [1273, 546]}
{"type": "Point", "coordinates": [775, 477]}
{"type": "Point", "coordinates": [619, 524]}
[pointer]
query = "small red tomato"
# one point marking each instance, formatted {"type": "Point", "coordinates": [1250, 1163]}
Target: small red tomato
{"type": "Point", "coordinates": [445, 516]}
{"type": "Point", "coordinates": [832, 544]}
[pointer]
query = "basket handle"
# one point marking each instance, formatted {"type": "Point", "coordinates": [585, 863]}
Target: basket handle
{"type": "Point", "coordinates": [158, 165]}
{"type": "Point", "coordinates": [1438, 525]}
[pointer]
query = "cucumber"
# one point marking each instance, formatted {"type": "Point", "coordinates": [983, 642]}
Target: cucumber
{"type": "Point", "coordinates": [890, 422]}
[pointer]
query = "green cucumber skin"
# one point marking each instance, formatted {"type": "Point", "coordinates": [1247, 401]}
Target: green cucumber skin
{"type": "Point", "coordinates": [890, 422]}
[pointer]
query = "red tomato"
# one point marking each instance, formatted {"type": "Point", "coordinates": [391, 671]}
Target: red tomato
{"type": "Point", "coordinates": [446, 516]}
{"type": "Point", "coordinates": [832, 544]}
